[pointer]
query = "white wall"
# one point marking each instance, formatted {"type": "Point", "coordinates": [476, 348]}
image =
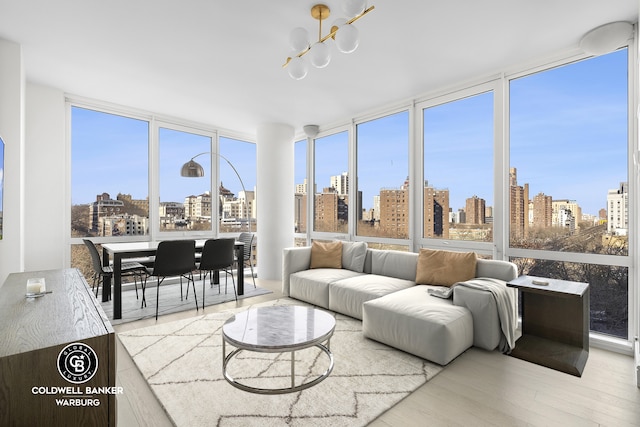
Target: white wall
{"type": "Point", "coordinates": [45, 179]}
{"type": "Point", "coordinates": [12, 132]}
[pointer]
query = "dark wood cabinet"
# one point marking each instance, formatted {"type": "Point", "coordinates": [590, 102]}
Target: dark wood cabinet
{"type": "Point", "coordinates": [65, 332]}
{"type": "Point", "coordinates": [555, 323]}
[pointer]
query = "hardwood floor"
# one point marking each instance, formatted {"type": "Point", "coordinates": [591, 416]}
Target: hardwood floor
{"type": "Point", "coordinates": [479, 388]}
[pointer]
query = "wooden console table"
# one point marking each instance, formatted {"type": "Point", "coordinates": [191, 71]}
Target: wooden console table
{"type": "Point", "coordinates": [555, 323]}
{"type": "Point", "coordinates": [35, 337]}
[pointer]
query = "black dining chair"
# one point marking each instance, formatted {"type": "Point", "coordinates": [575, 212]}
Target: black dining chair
{"type": "Point", "coordinates": [173, 258]}
{"type": "Point", "coordinates": [101, 272]}
{"type": "Point", "coordinates": [218, 254]}
{"type": "Point", "coordinates": [249, 240]}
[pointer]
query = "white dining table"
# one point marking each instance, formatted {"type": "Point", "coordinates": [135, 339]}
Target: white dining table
{"type": "Point", "coordinates": [119, 251]}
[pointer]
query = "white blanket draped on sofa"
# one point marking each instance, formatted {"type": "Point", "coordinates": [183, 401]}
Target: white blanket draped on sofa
{"type": "Point", "coordinates": [504, 304]}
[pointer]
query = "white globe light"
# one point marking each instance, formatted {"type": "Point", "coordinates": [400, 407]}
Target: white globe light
{"type": "Point", "coordinates": [347, 38]}
{"type": "Point", "coordinates": [353, 8]}
{"type": "Point", "coordinates": [297, 68]}
{"type": "Point", "coordinates": [299, 39]}
{"type": "Point", "coordinates": [319, 55]}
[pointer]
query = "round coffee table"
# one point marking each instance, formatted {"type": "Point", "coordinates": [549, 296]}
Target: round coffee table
{"type": "Point", "coordinates": [278, 329]}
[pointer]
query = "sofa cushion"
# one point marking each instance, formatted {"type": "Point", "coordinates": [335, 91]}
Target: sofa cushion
{"type": "Point", "coordinates": [346, 296]}
{"type": "Point", "coordinates": [313, 285]}
{"type": "Point", "coordinates": [413, 321]}
{"type": "Point", "coordinates": [326, 255]}
{"type": "Point", "coordinates": [444, 268]}
{"type": "Point", "coordinates": [353, 255]}
{"type": "Point", "coordinates": [401, 265]}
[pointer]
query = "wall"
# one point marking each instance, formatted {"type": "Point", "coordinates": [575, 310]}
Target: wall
{"type": "Point", "coordinates": [45, 179]}
{"type": "Point", "coordinates": [12, 132]}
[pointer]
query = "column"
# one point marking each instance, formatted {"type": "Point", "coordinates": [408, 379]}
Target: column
{"type": "Point", "coordinates": [275, 196]}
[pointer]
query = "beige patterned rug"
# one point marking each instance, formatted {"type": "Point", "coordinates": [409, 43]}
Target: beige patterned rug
{"type": "Point", "coordinates": [182, 362]}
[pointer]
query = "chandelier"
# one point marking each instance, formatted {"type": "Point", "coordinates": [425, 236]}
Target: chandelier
{"type": "Point", "coordinates": [343, 33]}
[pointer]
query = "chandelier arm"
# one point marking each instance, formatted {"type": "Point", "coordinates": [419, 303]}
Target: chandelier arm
{"type": "Point", "coordinates": [332, 34]}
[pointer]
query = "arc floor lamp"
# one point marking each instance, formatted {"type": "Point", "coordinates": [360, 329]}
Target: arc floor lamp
{"type": "Point", "coordinates": [193, 169]}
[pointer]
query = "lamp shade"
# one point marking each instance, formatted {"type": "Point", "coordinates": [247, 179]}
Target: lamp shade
{"type": "Point", "coordinates": [353, 8]}
{"type": "Point", "coordinates": [606, 38]}
{"type": "Point", "coordinates": [192, 169]}
{"type": "Point", "coordinates": [299, 39]}
{"type": "Point", "coordinates": [319, 55]}
{"type": "Point", "coordinates": [297, 68]}
{"type": "Point", "coordinates": [347, 38]}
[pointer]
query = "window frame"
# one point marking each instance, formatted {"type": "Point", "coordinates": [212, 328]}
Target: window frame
{"type": "Point", "coordinates": [491, 249]}
{"type": "Point", "coordinates": [633, 303]}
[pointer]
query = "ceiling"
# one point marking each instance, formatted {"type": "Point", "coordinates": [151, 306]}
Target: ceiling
{"type": "Point", "coordinates": [220, 62]}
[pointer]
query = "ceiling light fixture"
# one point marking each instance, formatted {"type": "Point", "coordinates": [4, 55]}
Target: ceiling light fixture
{"type": "Point", "coordinates": [343, 32]}
{"type": "Point", "coordinates": [606, 38]}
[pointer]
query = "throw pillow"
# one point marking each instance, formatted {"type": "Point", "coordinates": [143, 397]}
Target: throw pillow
{"type": "Point", "coordinates": [444, 268]}
{"type": "Point", "coordinates": [326, 255]}
{"type": "Point", "coordinates": [353, 256]}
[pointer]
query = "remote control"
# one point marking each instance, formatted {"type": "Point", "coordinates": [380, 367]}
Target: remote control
{"type": "Point", "coordinates": [540, 282]}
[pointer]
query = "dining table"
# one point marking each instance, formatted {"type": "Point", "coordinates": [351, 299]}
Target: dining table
{"type": "Point", "coordinates": [116, 252]}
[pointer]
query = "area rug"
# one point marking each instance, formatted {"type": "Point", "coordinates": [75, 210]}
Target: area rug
{"type": "Point", "coordinates": [182, 362]}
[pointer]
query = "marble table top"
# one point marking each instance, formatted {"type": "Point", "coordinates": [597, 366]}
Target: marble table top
{"type": "Point", "coordinates": [278, 328]}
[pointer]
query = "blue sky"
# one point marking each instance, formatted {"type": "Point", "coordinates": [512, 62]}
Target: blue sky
{"type": "Point", "coordinates": [110, 154]}
{"type": "Point", "coordinates": [568, 135]}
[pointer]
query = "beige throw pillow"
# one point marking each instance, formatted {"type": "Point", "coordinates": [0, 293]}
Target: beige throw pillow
{"type": "Point", "coordinates": [326, 255]}
{"type": "Point", "coordinates": [444, 268]}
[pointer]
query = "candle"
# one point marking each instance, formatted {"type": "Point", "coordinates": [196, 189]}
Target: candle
{"type": "Point", "coordinates": [35, 286]}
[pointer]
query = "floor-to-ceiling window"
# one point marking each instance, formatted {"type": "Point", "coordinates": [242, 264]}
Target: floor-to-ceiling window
{"type": "Point", "coordinates": [382, 193]}
{"type": "Point", "coordinates": [237, 193]}
{"type": "Point", "coordinates": [300, 192]}
{"type": "Point", "coordinates": [185, 202]}
{"type": "Point", "coordinates": [569, 205]}
{"type": "Point", "coordinates": [109, 179]}
{"type": "Point", "coordinates": [457, 190]}
{"type": "Point", "coordinates": [331, 183]}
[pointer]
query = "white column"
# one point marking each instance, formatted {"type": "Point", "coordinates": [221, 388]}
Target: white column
{"type": "Point", "coordinates": [275, 196]}
{"type": "Point", "coordinates": [12, 88]}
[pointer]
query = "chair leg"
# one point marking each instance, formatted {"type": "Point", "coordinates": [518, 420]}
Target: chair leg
{"type": "Point", "coordinates": [189, 277]}
{"type": "Point", "coordinates": [158, 295]}
{"type": "Point", "coordinates": [253, 275]}
{"type": "Point", "coordinates": [143, 285]}
{"type": "Point", "coordinates": [95, 283]}
{"type": "Point", "coordinates": [233, 280]}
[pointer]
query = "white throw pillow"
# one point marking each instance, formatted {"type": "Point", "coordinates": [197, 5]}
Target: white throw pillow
{"type": "Point", "coordinates": [353, 256]}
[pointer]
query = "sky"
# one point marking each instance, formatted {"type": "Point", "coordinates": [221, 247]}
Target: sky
{"type": "Point", "coordinates": [110, 154]}
{"type": "Point", "coordinates": [568, 140]}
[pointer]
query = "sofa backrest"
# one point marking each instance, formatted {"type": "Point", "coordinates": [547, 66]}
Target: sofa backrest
{"type": "Point", "coordinates": [402, 265]}
{"type": "Point", "coordinates": [398, 264]}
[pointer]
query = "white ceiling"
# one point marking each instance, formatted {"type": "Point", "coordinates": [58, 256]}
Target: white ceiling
{"type": "Point", "coordinates": [220, 62]}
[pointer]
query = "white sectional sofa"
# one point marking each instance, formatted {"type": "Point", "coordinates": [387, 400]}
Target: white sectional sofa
{"type": "Point", "coordinates": [378, 287]}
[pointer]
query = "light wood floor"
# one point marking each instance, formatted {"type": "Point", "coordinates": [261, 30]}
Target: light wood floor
{"type": "Point", "coordinates": [478, 388]}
